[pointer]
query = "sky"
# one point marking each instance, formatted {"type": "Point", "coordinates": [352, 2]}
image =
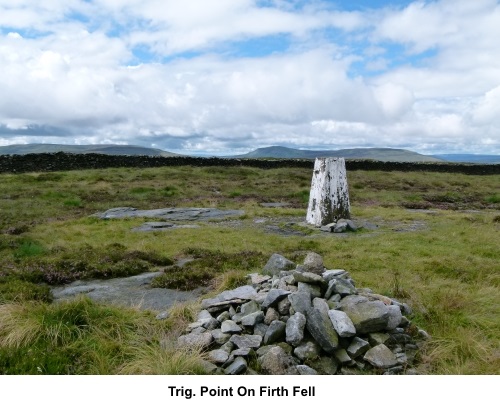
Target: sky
{"type": "Point", "coordinates": [223, 77]}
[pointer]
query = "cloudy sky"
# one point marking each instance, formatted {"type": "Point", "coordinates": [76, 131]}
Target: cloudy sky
{"type": "Point", "coordinates": [215, 77]}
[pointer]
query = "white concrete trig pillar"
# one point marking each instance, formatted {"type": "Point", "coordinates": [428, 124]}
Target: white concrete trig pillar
{"type": "Point", "coordinates": [329, 197]}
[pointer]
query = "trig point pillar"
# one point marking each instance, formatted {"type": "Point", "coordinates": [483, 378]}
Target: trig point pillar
{"type": "Point", "coordinates": [329, 197]}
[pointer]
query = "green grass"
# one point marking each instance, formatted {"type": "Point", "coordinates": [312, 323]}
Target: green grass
{"type": "Point", "coordinates": [444, 263]}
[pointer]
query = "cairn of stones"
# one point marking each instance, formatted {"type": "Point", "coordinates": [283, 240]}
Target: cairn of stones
{"type": "Point", "coordinates": [304, 320]}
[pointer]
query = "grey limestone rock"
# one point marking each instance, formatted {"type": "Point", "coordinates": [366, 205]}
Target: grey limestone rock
{"type": "Point", "coordinates": [357, 347]}
{"type": "Point", "coordinates": [321, 304]}
{"type": "Point", "coordinates": [395, 316]}
{"type": "Point", "coordinates": [313, 262]}
{"type": "Point", "coordinates": [218, 356]}
{"type": "Point", "coordinates": [340, 286]}
{"type": "Point", "coordinates": [271, 315]}
{"type": "Point", "coordinates": [260, 329]}
{"type": "Point", "coordinates": [300, 301]}
{"type": "Point", "coordinates": [273, 297]}
{"type": "Point", "coordinates": [306, 370]}
{"type": "Point", "coordinates": [331, 274]}
{"type": "Point", "coordinates": [246, 309]}
{"type": "Point", "coordinates": [220, 337]}
{"type": "Point", "coordinates": [277, 263]}
{"type": "Point", "coordinates": [381, 357]}
{"type": "Point", "coordinates": [275, 332]}
{"type": "Point", "coordinates": [230, 326]}
{"type": "Point", "coordinates": [378, 338]}
{"type": "Point", "coordinates": [341, 323]}
{"type": "Point", "coordinates": [246, 341]}
{"type": "Point", "coordinates": [172, 214]}
{"type": "Point", "coordinates": [314, 290]}
{"type": "Point", "coordinates": [284, 306]}
{"type": "Point", "coordinates": [294, 330]}
{"type": "Point", "coordinates": [307, 277]}
{"type": "Point", "coordinates": [276, 361]}
{"type": "Point", "coordinates": [342, 356]}
{"type": "Point", "coordinates": [192, 340]}
{"type": "Point", "coordinates": [252, 319]}
{"type": "Point", "coordinates": [307, 351]}
{"type": "Point", "coordinates": [320, 327]}
{"type": "Point", "coordinates": [238, 366]}
{"type": "Point", "coordinates": [367, 316]}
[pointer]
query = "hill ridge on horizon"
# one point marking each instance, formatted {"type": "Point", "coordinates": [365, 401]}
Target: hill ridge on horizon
{"type": "Point", "coordinates": [276, 152]}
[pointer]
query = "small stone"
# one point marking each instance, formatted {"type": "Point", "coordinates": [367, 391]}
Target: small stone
{"type": "Point", "coordinates": [395, 316]}
{"type": "Point", "coordinates": [381, 357]}
{"type": "Point", "coordinates": [327, 227]}
{"type": "Point", "coordinates": [314, 263]}
{"type": "Point", "coordinates": [218, 356]}
{"type": "Point", "coordinates": [320, 327]}
{"type": "Point", "coordinates": [367, 316]}
{"type": "Point", "coordinates": [220, 337]}
{"type": "Point", "coordinates": [273, 297]}
{"type": "Point", "coordinates": [294, 330]}
{"type": "Point", "coordinates": [284, 306]}
{"type": "Point", "coordinates": [313, 290]}
{"type": "Point", "coordinates": [224, 316]}
{"type": "Point", "coordinates": [256, 278]}
{"type": "Point", "coordinates": [241, 352]}
{"type": "Point", "coordinates": [210, 323]}
{"type": "Point", "coordinates": [331, 274]}
{"type": "Point", "coordinates": [326, 365]}
{"type": "Point", "coordinates": [238, 366]}
{"type": "Point", "coordinates": [307, 351]}
{"type": "Point", "coordinates": [230, 326]}
{"type": "Point", "coordinates": [276, 362]}
{"type": "Point", "coordinates": [162, 315]}
{"type": "Point", "coordinates": [342, 356]}
{"type": "Point", "coordinates": [306, 370]}
{"type": "Point", "coordinates": [201, 340]}
{"type": "Point", "coordinates": [341, 323]}
{"type": "Point", "coordinates": [246, 341]}
{"type": "Point", "coordinates": [252, 319]}
{"type": "Point", "coordinates": [340, 286]}
{"type": "Point", "coordinates": [300, 301]}
{"type": "Point", "coordinates": [275, 332]}
{"type": "Point", "coordinates": [209, 368]}
{"type": "Point", "coordinates": [247, 308]}
{"type": "Point", "coordinates": [277, 263]}
{"type": "Point", "coordinates": [357, 347]}
{"type": "Point", "coordinates": [423, 334]}
{"type": "Point", "coordinates": [377, 338]}
{"type": "Point", "coordinates": [271, 315]}
{"type": "Point", "coordinates": [307, 277]}
{"type": "Point", "coordinates": [340, 227]}
{"type": "Point", "coordinates": [204, 314]}
{"type": "Point", "coordinates": [260, 329]}
{"type": "Point", "coordinates": [227, 347]}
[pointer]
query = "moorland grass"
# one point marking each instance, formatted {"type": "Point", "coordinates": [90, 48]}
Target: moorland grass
{"type": "Point", "coordinates": [444, 261]}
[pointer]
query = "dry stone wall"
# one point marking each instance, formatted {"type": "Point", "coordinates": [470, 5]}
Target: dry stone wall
{"type": "Point", "coordinates": [304, 319]}
{"type": "Point", "coordinates": [46, 162]}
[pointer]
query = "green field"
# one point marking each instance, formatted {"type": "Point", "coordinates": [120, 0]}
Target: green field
{"type": "Point", "coordinates": [432, 240]}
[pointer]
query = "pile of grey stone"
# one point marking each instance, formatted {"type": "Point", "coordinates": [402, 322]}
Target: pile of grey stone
{"type": "Point", "coordinates": [340, 225]}
{"type": "Point", "coordinates": [304, 319]}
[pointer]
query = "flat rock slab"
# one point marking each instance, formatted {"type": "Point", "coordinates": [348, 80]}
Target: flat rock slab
{"type": "Point", "coordinates": [274, 205]}
{"type": "Point", "coordinates": [171, 214]}
{"type": "Point", "coordinates": [161, 226]}
{"type": "Point", "coordinates": [130, 291]}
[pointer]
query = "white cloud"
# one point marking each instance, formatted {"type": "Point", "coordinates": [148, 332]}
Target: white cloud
{"type": "Point", "coordinates": [69, 67]}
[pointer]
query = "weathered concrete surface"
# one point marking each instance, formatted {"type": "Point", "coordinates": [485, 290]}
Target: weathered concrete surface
{"type": "Point", "coordinates": [172, 214]}
{"type": "Point", "coordinates": [329, 197]}
{"type": "Point", "coordinates": [130, 291]}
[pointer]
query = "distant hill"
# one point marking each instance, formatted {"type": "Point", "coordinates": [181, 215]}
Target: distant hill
{"type": "Point", "coordinates": [468, 158]}
{"type": "Point", "coordinates": [382, 154]}
{"type": "Point", "coordinates": [102, 149]}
